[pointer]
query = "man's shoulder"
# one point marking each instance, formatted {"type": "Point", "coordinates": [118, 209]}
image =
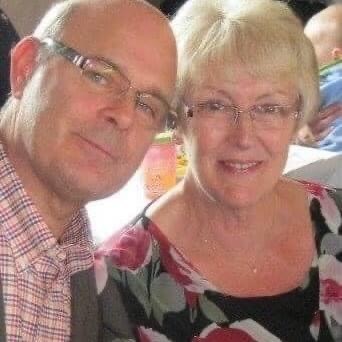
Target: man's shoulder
{"type": "Point", "coordinates": [84, 307]}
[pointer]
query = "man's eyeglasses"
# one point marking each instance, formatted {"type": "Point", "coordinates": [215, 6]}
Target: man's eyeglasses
{"type": "Point", "coordinates": [152, 110]}
{"type": "Point", "coordinates": [267, 116]}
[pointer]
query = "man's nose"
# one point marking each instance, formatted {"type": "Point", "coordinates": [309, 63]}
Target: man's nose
{"type": "Point", "coordinates": [123, 111]}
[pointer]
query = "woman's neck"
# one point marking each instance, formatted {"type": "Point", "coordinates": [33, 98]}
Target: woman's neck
{"type": "Point", "coordinates": [217, 223]}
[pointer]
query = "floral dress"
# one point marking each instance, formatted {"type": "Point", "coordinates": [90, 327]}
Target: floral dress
{"type": "Point", "coordinates": [167, 299]}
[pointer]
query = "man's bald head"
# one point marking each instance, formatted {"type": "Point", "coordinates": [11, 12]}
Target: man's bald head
{"type": "Point", "coordinates": [59, 15]}
{"type": "Point", "coordinates": [325, 32]}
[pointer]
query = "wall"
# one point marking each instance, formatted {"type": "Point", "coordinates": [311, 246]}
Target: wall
{"type": "Point", "coordinates": [25, 14]}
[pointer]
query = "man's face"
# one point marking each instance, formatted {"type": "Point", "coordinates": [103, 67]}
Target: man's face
{"type": "Point", "coordinates": [82, 144]}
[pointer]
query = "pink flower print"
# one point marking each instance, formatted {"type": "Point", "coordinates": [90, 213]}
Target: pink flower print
{"type": "Point", "coordinates": [130, 249]}
{"type": "Point", "coordinates": [331, 286]}
{"type": "Point", "coordinates": [329, 209]}
{"type": "Point", "coordinates": [214, 333]}
{"type": "Point", "coordinates": [331, 291]}
{"type": "Point", "coordinates": [315, 189]}
{"type": "Point", "coordinates": [240, 331]}
{"type": "Point", "coordinates": [149, 335]}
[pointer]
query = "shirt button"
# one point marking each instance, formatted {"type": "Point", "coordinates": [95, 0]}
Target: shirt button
{"type": "Point", "coordinates": [61, 256]}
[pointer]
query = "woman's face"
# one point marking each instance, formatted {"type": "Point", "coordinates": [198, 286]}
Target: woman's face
{"type": "Point", "coordinates": [237, 159]}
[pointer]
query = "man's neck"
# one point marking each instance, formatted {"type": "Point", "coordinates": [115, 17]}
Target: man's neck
{"type": "Point", "coordinates": [56, 211]}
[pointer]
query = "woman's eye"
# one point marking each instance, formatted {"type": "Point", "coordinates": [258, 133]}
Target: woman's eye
{"type": "Point", "coordinates": [216, 106]}
{"type": "Point", "coordinates": [212, 106]}
{"type": "Point", "coordinates": [270, 109]}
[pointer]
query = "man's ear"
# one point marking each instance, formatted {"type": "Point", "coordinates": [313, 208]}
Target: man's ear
{"type": "Point", "coordinates": [23, 63]}
{"type": "Point", "coordinates": [336, 53]}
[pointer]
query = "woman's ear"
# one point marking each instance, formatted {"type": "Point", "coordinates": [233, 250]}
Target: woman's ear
{"type": "Point", "coordinates": [23, 63]}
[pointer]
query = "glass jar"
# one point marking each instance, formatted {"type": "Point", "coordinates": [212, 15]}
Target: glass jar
{"type": "Point", "coordinates": [159, 166]}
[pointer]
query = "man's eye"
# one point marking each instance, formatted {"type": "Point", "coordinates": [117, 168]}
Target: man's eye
{"type": "Point", "coordinates": [146, 108]}
{"type": "Point", "coordinates": [98, 78]}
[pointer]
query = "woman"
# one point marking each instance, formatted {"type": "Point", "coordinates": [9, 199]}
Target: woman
{"type": "Point", "coordinates": [235, 252]}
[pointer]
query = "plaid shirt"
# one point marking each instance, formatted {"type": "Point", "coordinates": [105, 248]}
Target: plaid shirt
{"type": "Point", "coordinates": [35, 269]}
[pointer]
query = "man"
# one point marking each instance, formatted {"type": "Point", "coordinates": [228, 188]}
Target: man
{"type": "Point", "coordinates": [90, 89]}
{"type": "Point", "coordinates": [325, 32]}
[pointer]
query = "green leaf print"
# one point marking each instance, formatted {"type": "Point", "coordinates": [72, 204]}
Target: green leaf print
{"type": "Point", "coordinates": [114, 272]}
{"type": "Point", "coordinates": [139, 289]}
{"type": "Point", "coordinates": [167, 296]}
{"type": "Point", "coordinates": [211, 310]}
{"type": "Point", "coordinates": [158, 314]}
{"type": "Point", "coordinates": [142, 275]}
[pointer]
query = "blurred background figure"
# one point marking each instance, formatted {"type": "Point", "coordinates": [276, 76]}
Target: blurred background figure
{"type": "Point", "coordinates": [325, 32]}
{"type": "Point", "coordinates": [8, 38]}
{"type": "Point", "coordinates": [305, 9]}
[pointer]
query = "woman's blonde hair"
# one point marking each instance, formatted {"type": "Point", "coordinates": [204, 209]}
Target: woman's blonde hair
{"type": "Point", "coordinates": [263, 35]}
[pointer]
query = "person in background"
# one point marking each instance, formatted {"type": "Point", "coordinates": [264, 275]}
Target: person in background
{"type": "Point", "coordinates": [306, 9]}
{"type": "Point", "coordinates": [325, 32]}
{"type": "Point", "coordinates": [236, 251]}
{"type": "Point", "coordinates": [303, 8]}
{"type": "Point", "coordinates": [8, 38]}
{"type": "Point", "coordinates": [89, 90]}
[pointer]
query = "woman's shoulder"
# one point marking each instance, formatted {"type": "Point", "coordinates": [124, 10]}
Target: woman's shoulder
{"type": "Point", "coordinates": [320, 198]}
{"type": "Point", "coordinates": [325, 205]}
